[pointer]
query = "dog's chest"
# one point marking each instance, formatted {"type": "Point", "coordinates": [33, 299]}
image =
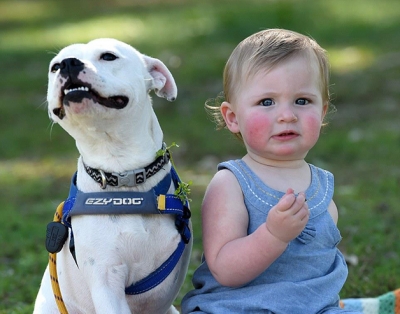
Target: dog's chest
{"type": "Point", "coordinates": [125, 236]}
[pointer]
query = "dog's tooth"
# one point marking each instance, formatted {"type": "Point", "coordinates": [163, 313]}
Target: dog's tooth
{"type": "Point", "coordinates": [80, 88]}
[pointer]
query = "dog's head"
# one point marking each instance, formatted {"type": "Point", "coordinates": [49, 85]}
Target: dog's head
{"type": "Point", "coordinates": [101, 77]}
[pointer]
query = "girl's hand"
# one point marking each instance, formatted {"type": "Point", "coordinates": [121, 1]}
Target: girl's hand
{"type": "Point", "coordinates": [287, 219]}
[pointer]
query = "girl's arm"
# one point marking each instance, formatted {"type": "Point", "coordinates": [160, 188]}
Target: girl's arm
{"type": "Point", "coordinates": [234, 257]}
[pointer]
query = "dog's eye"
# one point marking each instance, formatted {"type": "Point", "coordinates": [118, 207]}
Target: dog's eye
{"type": "Point", "coordinates": [55, 67]}
{"type": "Point", "coordinates": [108, 56]}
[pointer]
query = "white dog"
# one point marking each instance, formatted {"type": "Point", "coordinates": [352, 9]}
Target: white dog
{"type": "Point", "coordinates": [99, 93]}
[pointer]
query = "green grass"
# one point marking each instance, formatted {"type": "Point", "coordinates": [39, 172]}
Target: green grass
{"type": "Point", "coordinates": [194, 38]}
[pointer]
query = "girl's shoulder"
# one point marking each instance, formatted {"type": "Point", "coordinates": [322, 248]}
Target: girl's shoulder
{"type": "Point", "coordinates": [223, 182]}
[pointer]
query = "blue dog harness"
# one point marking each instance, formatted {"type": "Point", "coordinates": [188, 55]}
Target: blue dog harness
{"type": "Point", "coordinates": [155, 201]}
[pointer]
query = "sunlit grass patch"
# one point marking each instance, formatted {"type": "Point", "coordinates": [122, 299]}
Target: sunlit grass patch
{"type": "Point", "coordinates": [24, 11]}
{"type": "Point", "coordinates": [363, 11]}
{"type": "Point", "coordinates": [129, 28]}
{"type": "Point", "coordinates": [33, 170]}
{"type": "Point", "coordinates": [349, 59]}
{"type": "Point", "coordinates": [57, 36]}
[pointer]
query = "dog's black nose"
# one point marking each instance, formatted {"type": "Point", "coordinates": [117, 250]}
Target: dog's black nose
{"type": "Point", "coordinates": [71, 67]}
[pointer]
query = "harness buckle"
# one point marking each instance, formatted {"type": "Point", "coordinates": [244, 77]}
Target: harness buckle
{"type": "Point", "coordinates": [131, 178]}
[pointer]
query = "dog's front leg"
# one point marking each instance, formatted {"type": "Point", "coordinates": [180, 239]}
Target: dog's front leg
{"type": "Point", "coordinates": [103, 269]}
{"type": "Point", "coordinates": [108, 291]}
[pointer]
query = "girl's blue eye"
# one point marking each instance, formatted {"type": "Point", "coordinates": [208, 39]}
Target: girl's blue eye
{"type": "Point", "coordinates": [266, 102]}
{"type": "Point", "coordinates": [302, 101]}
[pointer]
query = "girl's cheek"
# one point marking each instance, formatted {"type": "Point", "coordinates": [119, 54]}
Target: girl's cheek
{"type": "Point", "coordinates": [257, 129]}
{"type": "Point", "coordinates": [313, 124]}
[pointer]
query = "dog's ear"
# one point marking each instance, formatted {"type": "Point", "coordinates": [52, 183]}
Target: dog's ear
{"type": "Point", "coordinates": [162, 81]}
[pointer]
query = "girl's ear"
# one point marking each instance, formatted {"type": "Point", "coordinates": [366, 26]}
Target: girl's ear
{"type": "Point", "coordinates": [324, 110]}
{"type": "Point", "coordinates": [229, 116]}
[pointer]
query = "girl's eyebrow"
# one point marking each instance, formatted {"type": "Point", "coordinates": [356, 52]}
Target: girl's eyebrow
{"type": "Point", "coordinates": [308, 94]}
{"type": "Point", "coordinates": [269, 94]}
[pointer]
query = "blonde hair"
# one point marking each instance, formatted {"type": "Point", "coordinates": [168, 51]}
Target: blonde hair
{"type": "Point", "coordinates": [264, 50]}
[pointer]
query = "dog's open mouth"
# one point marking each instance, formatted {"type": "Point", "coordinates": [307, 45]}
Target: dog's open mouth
{"type": "Point", "coordinates": [77, 92]}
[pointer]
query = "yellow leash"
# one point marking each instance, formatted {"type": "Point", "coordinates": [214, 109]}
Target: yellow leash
{"type": "Point", "coordinates": [53, 268]}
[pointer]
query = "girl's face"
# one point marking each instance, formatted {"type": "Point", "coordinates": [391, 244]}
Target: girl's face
{"type": "Point", "coordinates": [279, 112]}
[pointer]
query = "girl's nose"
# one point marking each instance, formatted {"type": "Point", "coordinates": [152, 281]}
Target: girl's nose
{"type": "Point", "coordinates": [287, 115]}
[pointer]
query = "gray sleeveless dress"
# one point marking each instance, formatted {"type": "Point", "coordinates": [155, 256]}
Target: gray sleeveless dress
{"type": "Point", "coordinates": [305, 279]}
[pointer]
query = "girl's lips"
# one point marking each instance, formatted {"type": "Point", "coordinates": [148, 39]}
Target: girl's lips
{"type": "Point", "coordinates": [286, 135]}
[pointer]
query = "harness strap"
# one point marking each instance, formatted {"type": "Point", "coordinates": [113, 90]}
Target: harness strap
{"type": "Point", "coordinates": [167, 204]}
{"type": "Point", "coordinates": [115, 203]}
{"type": "Point", "coordinates": [159, 275]}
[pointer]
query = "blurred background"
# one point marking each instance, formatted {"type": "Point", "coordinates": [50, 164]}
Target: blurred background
{"type": "Point", "coordinates": [361, 144]}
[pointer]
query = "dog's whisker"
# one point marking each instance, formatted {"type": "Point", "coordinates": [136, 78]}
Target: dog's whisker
{"type": "Point", "coordinates": [50, 127]}
{"type": "Point", "coordinates": [54, 52]}
{"type": "Point", "coordinates": [43, 104]}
